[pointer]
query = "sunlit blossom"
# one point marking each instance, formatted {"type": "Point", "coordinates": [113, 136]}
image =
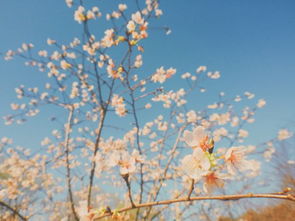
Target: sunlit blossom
{"type": "Point", "coordinates": [284, 134]}
{"type": "Point", "coordinates": [69, 3]}
{"type": "Point", "coordinates": [122, 7]}
{"type": "Point", "coordinates": [136, 17]}
{"type": "Point", "coordinates": [84, 212]}
{"type": "Point", "coordinates": [214, 180]}
{"type": "Point", "coordinates": [79, 15]}
{"type": "Point", "coordinates": [65, 65]}
{"type": "Point", "coordinates": [236, 160]}
{"type": "Point", "coordinates": [196, 165]}
{"type": "Point", "coordinates": [261, 103]}
{"type": "Point", "coordinates": [197, 138]}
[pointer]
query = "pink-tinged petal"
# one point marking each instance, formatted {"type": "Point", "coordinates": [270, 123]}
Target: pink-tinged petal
{"type": "Point", "coordinates": [213, 180]}
{"type": "Point", "coordinates": [199, 133]}
{"type": "Point", "coordinates": [228, 153]}
{"type": "Point", "coordinates": [235, 159]}
{"type": "Point", "coordinates": [189, 138]}
{"type": "Point", "coordinates": [196, 165]}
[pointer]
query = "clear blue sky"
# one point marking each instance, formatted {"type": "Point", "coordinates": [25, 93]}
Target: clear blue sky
{"type": "Point", "coordinates": [251, 42]}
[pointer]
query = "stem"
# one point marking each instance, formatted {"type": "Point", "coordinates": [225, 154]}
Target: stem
{"type": "Point", "coordinates": [126, 178]}
{"type": "Point", "coordinates": [191, 189]}
{"type": "Point", "coordinates": [14, 211]}
{"type": "Point", "coordinates": [67, 138]}
{"type": "Point", "coordinates": [166, 168]}
{"type": "Point", "coordinates": [218, 197]}
{"type": "Point", "coordinates": [100, 126]}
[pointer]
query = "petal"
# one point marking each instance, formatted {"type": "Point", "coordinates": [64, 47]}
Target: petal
{"type": "Point", "coordinates": [189, 138]}
{"type": "Point", "coordinates": [205, 163]}
{"type": "Point", "coordinates": [199, 154]}
{"type": "Point", "coordinates": [199, 132]}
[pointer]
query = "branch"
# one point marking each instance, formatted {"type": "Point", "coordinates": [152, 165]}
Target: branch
{"type": "Point", "coordinates": [126, 177]}
{"type": "Point", "coordinates": [278, 195]}
{"type": "Point", "coordinates": [191, 189]}
{"type": "Point", "coordinates": [103, 113]}
{"type": "Point", "coordinates": [14, 211]}
{"type": "Point", "coordinates": [66, 143]}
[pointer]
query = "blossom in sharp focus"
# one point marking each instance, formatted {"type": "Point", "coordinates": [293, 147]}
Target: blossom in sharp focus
{"type": "Point", "coordinates": [213, 180]}
{"type": "Point", "coordinates": [198, 138]}
{"type": "Point", "coordinates": [196, 165]}
{"type": "Point", "coordinates": [235, 159]}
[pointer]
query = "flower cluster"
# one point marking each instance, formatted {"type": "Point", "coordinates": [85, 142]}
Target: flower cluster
{"type": "Point", "coordinates": [90, 151]}
{"type": "Point", "coordinates": [205, 165]}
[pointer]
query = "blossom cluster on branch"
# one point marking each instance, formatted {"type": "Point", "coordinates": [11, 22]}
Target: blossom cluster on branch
{"type": "Point", "coordinates": [125, 135]}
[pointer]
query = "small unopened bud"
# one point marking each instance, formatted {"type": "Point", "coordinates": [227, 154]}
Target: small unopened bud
{"type": "Point", "coordinates": [211, 145]}
{"type": "Point", "coordinates": [121, 38]}
{"type": "Point", "coordinates": [120, 69]}
{"type": "Point", "coordinates": [140, 48]}
{"type": "Point", "coordinates": [133, 42]}
{"type": "Point", "coordinates": [108, 210]}
{"type": "Point", "coordinates": [125, 176]}
{"type": "Point", "coordinates": [287, 189]}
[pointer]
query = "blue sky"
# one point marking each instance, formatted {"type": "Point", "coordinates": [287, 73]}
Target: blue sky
{"type": "Point", "coordinates": [251, 42]}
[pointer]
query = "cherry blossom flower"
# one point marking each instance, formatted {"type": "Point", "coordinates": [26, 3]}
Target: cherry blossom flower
{"type": "Point", "coordinates": [127, 163]}
{"type": "Point", "coordinates": [214, 75]}
{"type": "Point", "coordinates": [196, 165]}
{"type": "Point", "coordinates": [131, 26]}
{"type": "Point", "coordinates": [186, 75]}
{"type": "Point", "coordinates": [65, 65]}
{"type": "Point", "coordinates": [191, 116]}
{"type": "Point", "coordinates": [122, 7]}
{"type": "Point", "coordinates": [136, 17]}
{"type": "Point", "coordinates": [79, 15]}
{"type": "Point", "coordinates": [269, 152]}
{"type": "Point", "coordinates": [161, 75]}
{"type": "Point", "coordinates": [118, 103]}
{"type": "Point", "coordinates": [219, 133]}
{"type": "Point", "coordinates": [69, 3]}
{"type": "Point", "coordinates": [261, 103]}
{"type": "Point", "coordinates": [108, 39]}
{"type": "Point", "coordinates": [213, 180]}
{"type": "Point", "coordinates": [90, 15]}
{"type": "Point", "coordinates": [243, 133]}
{"type": "Point", "coordinates": [284, 134]}
{"type": "Point", "coordinates": [201, 69]}
{"type": "Point", "coordinates": [83, 211]}
{"type": "Point", "coordinates": [198, 138]}
{"type": "Point", "coordinates": [235, 159]}
{"type": "Point", "coordinates": [138, 61]}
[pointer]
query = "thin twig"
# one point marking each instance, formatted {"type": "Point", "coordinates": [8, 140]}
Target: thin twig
{"type": "Point", "coordinates": [191, 189]}
{"type": "Point", "coordinates": [14, 211]}
{"type": "Point", "coordinates": [66, 143]}
{"type": "Point", "coordinates": [126, 178]}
